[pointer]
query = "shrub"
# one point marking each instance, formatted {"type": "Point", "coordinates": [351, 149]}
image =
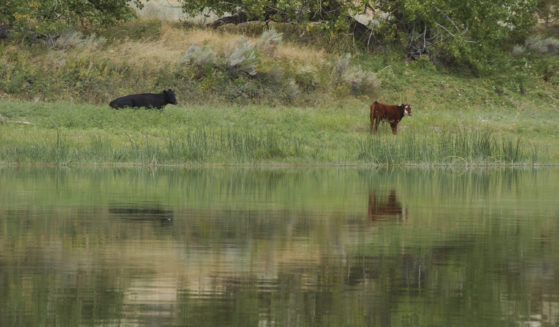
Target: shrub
{"type": "Point", "coordinates": [74, 39]}
{"type": "Point", "coordinates": [306, 77]}
{"type": "Point", "coordinates": [242, 58]}
{"type": "Point", "coordinates": [241, 90]}
{"type": "Point", "coordinates": [275, 75]}
{"type": "Point", "coordinates": [359, 81]}
{"type": "Point", "coordinates": [340, 65]}
{"type": "Point", "coordinates": [292, 91]}
{"type": "Point", "coordinates": [200, 56]}
{"type": "Point", "coordinates": [518, 50]}
{"type": "Point", "coordinates": [543, 46]}
{"type": "Point", "coordinates": [269, 41]}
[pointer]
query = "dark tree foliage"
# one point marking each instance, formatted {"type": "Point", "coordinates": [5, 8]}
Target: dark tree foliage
{"type": "Point", "coordinates": [548, 10]}
{"type": "Point", "coordinates": [470, 33]}
{"type": "Point", "coordinates": [333, 12]}
{"type": "Point", "coordinates": [474, 33]}
{"type": "Point", "coordinates": [47, 17]}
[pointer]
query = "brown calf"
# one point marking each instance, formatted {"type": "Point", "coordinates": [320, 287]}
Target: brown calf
{"type": "Point", "coordinates": [391, 114]}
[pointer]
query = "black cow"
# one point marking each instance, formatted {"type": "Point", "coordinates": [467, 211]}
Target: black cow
{"type": "Point", "coordinates": [148, 100]}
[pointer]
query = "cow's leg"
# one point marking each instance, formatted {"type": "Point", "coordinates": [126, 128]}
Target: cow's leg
{"type": "Point", "coordinates": [372, 118]}
{"type": "Point", "coordinates": [377, 121]}
{"type": "Point", "coordinates": [394, 128]}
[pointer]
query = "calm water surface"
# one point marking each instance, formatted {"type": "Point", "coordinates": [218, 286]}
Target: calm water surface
{"type": "Point", "coordinates": [285, 247]}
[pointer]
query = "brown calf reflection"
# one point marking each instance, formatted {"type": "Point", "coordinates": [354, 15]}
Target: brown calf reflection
{"type": "Point", "coordinates": [390, 209]}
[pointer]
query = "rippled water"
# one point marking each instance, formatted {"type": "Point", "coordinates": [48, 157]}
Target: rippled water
{"type": "Point", "coordinates": [283, 247]}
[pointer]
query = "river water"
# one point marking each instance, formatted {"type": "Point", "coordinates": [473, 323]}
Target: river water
{"type": "Point", "coordinates": [279, 247]}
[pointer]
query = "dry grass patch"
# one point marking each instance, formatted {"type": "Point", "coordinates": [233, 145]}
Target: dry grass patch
{"type": "Point", "coordinates": [174, 40]}
{"type": "Point", "coordinates": [302, 54]}
{"type": "Point", "coordinates": [222, 41]}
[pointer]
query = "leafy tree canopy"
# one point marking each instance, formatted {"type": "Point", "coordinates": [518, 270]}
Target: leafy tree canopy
{"type": "Point", "coordinates": [329, 11]}
{"type": "Point", "coordinates": [46, 17]}
{"type": "Point", "coordinates": [470, 33]}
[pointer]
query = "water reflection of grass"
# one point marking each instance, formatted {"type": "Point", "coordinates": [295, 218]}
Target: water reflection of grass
{"type": "Point", "coordinates": [84, 134]}
{"type": "Point", "coordinates": [296, 236]}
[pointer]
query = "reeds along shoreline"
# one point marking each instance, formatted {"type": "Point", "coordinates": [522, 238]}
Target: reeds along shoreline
{"type": "Point", "coordinates": [238, 146]}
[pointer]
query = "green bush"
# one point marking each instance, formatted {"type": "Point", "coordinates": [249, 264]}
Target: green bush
{"type": "Point", "coordinates": [306, 77]}
{"type": "Point", "coordinates": [359, 81]}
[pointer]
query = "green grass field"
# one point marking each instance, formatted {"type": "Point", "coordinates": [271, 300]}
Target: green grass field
{"type": "Point", "coordinates": [77, 134]}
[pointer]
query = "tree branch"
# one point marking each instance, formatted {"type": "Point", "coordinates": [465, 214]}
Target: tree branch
{"type": "Point", "coordinates": [454, 36]}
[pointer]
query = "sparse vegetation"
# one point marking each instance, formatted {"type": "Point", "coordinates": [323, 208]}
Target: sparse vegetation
{"type": "Point", "coordinates": [201, 65]}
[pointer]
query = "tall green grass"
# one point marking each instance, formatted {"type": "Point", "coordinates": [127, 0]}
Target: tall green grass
{"type": "Point", "coordinates": [67, 134]}
{"type": "Point", "coordinates": [195, 146]}
{"type": "Point", "coordinates": [259, 146]}
{"type": "Point", "coordinates": [461, 148]}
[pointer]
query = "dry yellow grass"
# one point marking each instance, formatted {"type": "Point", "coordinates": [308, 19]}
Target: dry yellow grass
{"type": "Point", "coordinates": [302, 54]}
{"type": "Point", "coordinates": [174, 40]}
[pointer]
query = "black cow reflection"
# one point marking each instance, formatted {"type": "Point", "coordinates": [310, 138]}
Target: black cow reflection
{"type": "Point", "coordinates": [389, 209]}
{"type": "Point", "coordinates": [144, 214]}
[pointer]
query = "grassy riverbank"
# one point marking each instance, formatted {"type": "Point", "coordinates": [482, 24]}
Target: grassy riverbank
{"type": "Point", "coordinates": [71, 134]}
{"type": "Point", "coordinates": [247, 98]}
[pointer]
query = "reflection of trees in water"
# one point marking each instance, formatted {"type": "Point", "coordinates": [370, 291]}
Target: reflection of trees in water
{"type": "Point", "coordinates": [47, 298]}
{"type": "Point", "coordinates": [291, 266]}
{"type": "Point", "coordinates": [239, 227]}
